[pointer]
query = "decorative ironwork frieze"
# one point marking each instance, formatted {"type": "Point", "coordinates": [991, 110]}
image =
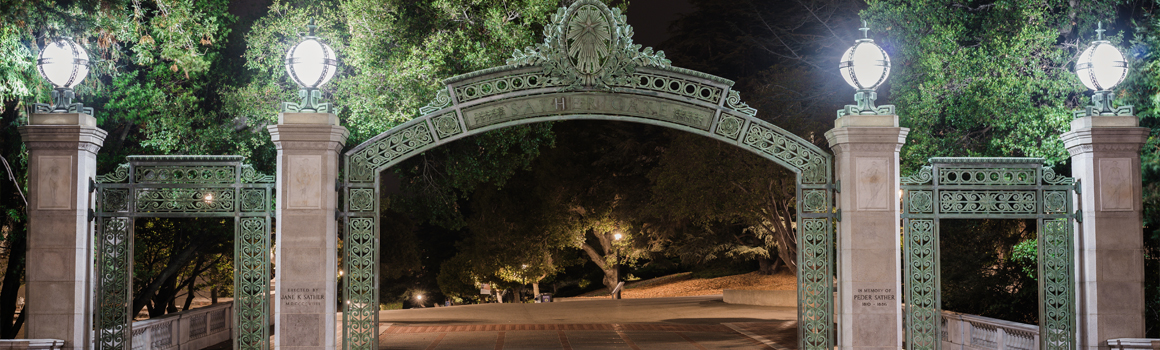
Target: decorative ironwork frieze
{"type": "Point", "coordinates": [121, 174]}
{"type": "Point", "coordinates": [921, 201]}
{"type": "Point", "coordinates": [114, 278]}
{"type": "Point", "coordinates": [921, 270]}
{"type": "Point", "coordinates": [185, 199]}
{"type": "Point", "coordinates": [360, 315]}
{"type": "Point", "coordinates": [446, 125]}
{"type": "Point", "coordinates": [383, 151]}
{"type": "Point", "coordinates": [815, 201]}
{"type": "Point", "coordinates": [987, 202]}
{"type": "Point", "coordinates": [362, 199]}
{"type": "Point", "coordinates": [788, 150]}
{"type": "Point", "coordinates": [442, 100]}
{"type": "Point", "coordinates": [985, 176]}
{"type": "Point", "coordinates": [730, 126]}
{"type": "Point", "coordinates": [252, 283]}
{"type": "Point", "coordinates": [184, 174]}
{"type": "Point", "coordinates": [1057, 282]}
{"type": "Point", "coordinates": [815, 284]}
{"type": "Point", "coordinates": [735, 103]}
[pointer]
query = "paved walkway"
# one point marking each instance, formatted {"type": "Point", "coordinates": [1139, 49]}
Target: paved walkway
{"type": "Point", "coordinates": [663, 323]}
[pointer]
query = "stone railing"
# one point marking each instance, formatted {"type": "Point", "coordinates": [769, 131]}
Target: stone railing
{"type": "Point", "coordinates": [31, 344]}
{"type": "Point", "coordinates": [963, 331]}
{"type": "Point", "coordinates": [187, 330]}
{"type": "Point", "coordinates": [1133, 343]}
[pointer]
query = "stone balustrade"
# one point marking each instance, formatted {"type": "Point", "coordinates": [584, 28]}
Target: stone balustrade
{"type": "Point", "coordinates": [31, 344]}
{"type": "Point", "coordinates": [187, 330]}
{"type": "Point", "coordinates": [964, 331]}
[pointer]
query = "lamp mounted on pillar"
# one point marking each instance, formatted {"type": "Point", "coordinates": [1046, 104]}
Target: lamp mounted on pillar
{"type": "Point", "coordinates": [64, 63]}
{"type": "Point", "coordinates": [1100, 67]}
{"type": "Point", "coordinates": [310, 64]}
{"type": "Point", "coordinates": [865, 66]}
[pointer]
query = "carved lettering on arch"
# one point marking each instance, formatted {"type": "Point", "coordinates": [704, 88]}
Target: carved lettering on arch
{"type": "Point", "coordinates": [303, 181]}
{"type": "Point", "coordinates": [872, 190]}
{"type": "Point", "coordinates": [1116, 190]}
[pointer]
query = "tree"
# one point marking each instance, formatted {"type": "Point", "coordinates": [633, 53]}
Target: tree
{"type": "Point", "coordinates": [985, 80]}
{"type": "Point", "coordinates": [746, 211]}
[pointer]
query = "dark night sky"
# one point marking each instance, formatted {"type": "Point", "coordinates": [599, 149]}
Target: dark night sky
{"type": "Point", "coordinates": [650, 19]}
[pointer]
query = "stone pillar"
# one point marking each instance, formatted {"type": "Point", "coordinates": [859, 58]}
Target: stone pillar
{"type": "Point", "coordinates": [866, 162]}
{"type": "Point", "coordinates": [1109, 243]}
{"type": "Point", "coordinates": [62, 159]}
{"type": "Point", "coordinates": [308, 150]}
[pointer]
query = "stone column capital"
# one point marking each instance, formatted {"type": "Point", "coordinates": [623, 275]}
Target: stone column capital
{"type": "Point", "coordinates": [1105, 140]}
{"type": "Point", "coordinates": [63, 131]}
{"type": "Point", "coordinates": [308, 136]}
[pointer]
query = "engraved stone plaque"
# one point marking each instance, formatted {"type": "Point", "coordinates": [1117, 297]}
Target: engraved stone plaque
{"type": "Point", "coordinates": [589, 103]}
{"type": "Point", "coordinates": [874, 299]}
{"type": "Point", "coordinates": [872, 192]}
{"type": "Point", "coordinates": [54, 176]}
{"type": "Point", "coordinates": [304, 182]}
{"type": "Point", "coordinates": [1116, 192]}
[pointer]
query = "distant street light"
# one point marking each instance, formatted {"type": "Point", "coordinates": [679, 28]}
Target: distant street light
{"type": "Point", "coordinates": [64, 63]}
{"type": "Point", "coordinates": [311, 63]}
{"type": "Point", "coordinates": [865, 67]}
{"type": "Point", "coordinates": [616, 255]}
{"type": "Point", "coordinates": [1100, 68]}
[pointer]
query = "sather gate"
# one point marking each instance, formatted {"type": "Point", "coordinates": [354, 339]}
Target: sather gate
{"type": "Point", "coordinates": [588, 68]}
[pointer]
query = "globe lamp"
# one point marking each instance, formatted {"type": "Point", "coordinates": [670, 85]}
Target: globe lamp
{"type": "Point", "coordinates": [64, 63]}
{"type": "Point", "coordinates": [865, 67]}
{"type": "Point", "coordinates": [1101, 67]}
{"type": "Point", "coordinates": [310, 63]}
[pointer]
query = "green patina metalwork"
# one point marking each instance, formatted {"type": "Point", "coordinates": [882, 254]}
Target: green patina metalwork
{"type": "Point", "coordinates": [992, 188]}
{"type": "Point", "coordinates": [588, 68]}
{"type": "Point", "coordinates": [184, 187]}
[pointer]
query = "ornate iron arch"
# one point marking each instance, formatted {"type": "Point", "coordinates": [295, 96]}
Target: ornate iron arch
{"type": "Point", "coordinates": [588, 68]}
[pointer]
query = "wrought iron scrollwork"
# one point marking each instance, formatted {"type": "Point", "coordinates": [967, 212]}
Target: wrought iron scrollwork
{"type": "Point", "coordinates": [986, 188]}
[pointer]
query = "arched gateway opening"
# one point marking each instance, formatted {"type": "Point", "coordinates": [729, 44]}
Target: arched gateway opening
{"type": "Point", "coordinates": [588, 68]}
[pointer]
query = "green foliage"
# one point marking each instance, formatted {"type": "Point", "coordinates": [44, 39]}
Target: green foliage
{"type": "Point", "coordinates": [979, 275]}
{"type": "Point", "coordinates": [984, 80]}
{"type": "Point", "coordinates": [1026, 254]}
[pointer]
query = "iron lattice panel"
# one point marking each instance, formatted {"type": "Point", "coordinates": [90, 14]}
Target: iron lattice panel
{"type": "Point", "coordinates": [184, 187]}
{"type": "Point", "coordinates": [989, 188]}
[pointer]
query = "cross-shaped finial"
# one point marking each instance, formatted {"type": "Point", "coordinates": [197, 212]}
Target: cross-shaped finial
{"type": "Point", "coordinates": [310, 27]}
{"type": "Point", "coordinates": [1100, 30]}
{"type": "Point", "coordinates": [865, 30]}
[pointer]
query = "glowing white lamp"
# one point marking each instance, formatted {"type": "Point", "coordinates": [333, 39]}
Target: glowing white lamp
{"type": "Point", "coordinates": [64, 63]}
{"type": "Point", "coordinates": [1101, 67]}
{"type": "Point", "coordinates": [865, 67]}
{"type": "Point", "coordinates": [310, 63]}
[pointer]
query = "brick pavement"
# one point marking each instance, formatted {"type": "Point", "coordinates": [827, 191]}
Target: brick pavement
{"type": "Point", "coordinates": [780, 335]}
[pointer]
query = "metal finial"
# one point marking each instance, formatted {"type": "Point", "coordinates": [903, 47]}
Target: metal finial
{"type": "Point", "coordinates": [310, 27]}
{"type": "Point", "coordinates": [865, 30]}
{"type": "Point", "coordinates": [1100, 30]}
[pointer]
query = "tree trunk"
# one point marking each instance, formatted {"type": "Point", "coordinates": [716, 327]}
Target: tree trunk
{"type": "Point", "coordinates": [213, 295]}
{"type": "Point", "coordinates": [13, 278]}
{"type": "Point", "coordinates": [536, 289]}
{"type": "Point", "coordinates": [189, 298]}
